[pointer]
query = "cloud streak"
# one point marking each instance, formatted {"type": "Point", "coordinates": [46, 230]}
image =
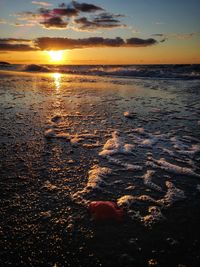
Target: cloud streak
{"type": "Point", "coordinates": [44, 4]}
{"type": "Point", "coordinates": [12, 44]}
{"type": "Point", "coordinates": [177, 36]}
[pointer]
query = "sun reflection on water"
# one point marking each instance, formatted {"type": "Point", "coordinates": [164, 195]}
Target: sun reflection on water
{"type": "Point", "coordinates": [57, 80]}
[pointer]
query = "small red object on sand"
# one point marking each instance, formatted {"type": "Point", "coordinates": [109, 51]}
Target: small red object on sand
{"type": "Point", "coordinates": [104, 210]}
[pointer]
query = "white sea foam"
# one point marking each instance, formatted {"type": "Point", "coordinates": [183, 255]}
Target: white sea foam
{"type": "Point", "coordinates": [173, 194]}
{"type": "Point", "coordinates": [126, 201]}
{"type": "Point", "coordinates": [169, 167]}
{"type": "Point", "coordinates": [127, 166]}
{"type": "Point", "coordinates": [75, 139]}
{"type": "Point", "coordinates": [97, 176]}
{"type": "Point", "coordinates": [154, 216]}
{"type": "Point", "coordinates": [145, 139]}
{"type": "Point", "coordinates": [146, 198]}
{"type": "Point", "coordinates": [116, 145]}
{"type": "Point", "coordinates": [147, 177]}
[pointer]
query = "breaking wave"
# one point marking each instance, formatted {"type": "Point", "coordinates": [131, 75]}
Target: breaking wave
{"type": "Point", "coordinates": [132, 71]}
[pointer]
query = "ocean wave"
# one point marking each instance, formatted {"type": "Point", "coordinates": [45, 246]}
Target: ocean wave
{"type": "Point", "coordinates": [128, 71]}
{"type": "Point", "coordinates": [137, 71]}
{"type": "Point", "coordinates": [34, 67]}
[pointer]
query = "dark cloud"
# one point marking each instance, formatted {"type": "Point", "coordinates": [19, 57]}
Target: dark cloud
{"type": "Point", "coordinates": [102, 21]}
{"type": "Point", "coordinates": [84, 7]}
{"type": "Point", "coordinates": [108, 17]}
{"type": "Point", "coordinates": [68, 12]}
{"type": "Point", "coordinates": [66, 43]}
{"type": "Point", "coordinates": [47, 43]}
{"type": "Point", "coordinates": [140, 42]}
{"type": "Point", "coordinates": [55, 23]}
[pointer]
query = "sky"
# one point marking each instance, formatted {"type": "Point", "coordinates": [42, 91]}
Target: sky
{"type": "Point", "coordinates": [100, 31]}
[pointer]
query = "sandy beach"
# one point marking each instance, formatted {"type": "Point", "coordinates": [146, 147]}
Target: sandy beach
{"type": "Point", "coordinates": [67, 140]}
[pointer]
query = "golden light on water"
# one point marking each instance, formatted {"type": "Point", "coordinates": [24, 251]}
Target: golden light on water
{"type": "Point", "coordinates": [56, 56]}
{"type": "Point", "coordinates": [57, 80]}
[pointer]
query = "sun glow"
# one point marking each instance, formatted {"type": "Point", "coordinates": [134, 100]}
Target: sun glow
{"type": "Point", "coordinates": [56, 56]}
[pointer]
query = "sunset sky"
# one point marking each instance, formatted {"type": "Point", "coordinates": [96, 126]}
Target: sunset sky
{"type": "Point", "coordinates": [100, 31]}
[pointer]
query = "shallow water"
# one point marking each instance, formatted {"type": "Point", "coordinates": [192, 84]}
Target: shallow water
{"type": "Point", "coordinates": [65, 141]}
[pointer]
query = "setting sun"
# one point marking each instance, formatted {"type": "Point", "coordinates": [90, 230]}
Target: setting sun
{"type": "Point", "coordinates": [55, 55]}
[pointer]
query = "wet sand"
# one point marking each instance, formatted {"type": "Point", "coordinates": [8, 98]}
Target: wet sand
{"type": "Point", "coordinates": [56, 128]}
